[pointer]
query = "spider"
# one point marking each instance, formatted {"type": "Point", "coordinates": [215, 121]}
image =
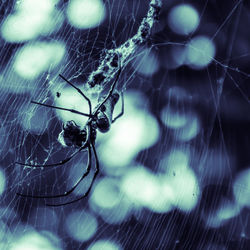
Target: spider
{"type": "Point", "coordinates": [82, 139]}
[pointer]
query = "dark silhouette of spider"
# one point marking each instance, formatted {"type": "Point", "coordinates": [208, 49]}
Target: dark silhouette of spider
{"type": "Point", "coordinates": [83, 139]}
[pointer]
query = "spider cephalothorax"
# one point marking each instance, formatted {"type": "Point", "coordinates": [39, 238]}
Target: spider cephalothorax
{"type": "Point", "coordinates": [73, 135]}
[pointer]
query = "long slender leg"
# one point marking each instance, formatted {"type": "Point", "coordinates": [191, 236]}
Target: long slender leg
{"type": "Point", "coordinates": [122, 111]}
{"type": "Point", "coordinates": [54, 107]}
{"type": "Point", "coordinates": [79, 91]}
{"type": "Point", "coordinates": [110, 91]}
{"type": "Point", "coordinates": [61, 162]}
{"type": "Point", "coordinates": [89, 189]}
{"type": "Point", "coordinates": [72, 189]}
{"type": "Point", "coordinates": [97, 168]}
{"type": "Point", "coordinates": [50, 165]}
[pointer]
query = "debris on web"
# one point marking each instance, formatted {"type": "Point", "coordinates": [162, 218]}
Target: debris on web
{"type": "Point", "coordinates": [114, 59]}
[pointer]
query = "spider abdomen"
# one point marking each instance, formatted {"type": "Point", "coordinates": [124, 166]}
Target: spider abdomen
{"type": "Point", "coordinates": [103, 123]}
{"type": "Point", "coordinates": [104, 117]}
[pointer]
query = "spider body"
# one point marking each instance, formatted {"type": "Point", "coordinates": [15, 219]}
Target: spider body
{"type": "Point", "coordinates": [73, 135]}
{"type": "Point", "coordinates": [83, 139]}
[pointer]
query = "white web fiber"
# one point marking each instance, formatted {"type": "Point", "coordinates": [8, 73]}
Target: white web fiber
{"type": "Point", "coordinates": [174, 169]}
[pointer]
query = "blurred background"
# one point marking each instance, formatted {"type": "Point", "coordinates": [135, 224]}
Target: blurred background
{"type": "Point", "coordinates": [174, 169]}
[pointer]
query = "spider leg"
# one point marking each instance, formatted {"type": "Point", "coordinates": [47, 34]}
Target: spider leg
{"type": "Point", "coordinates": [79, 91]}
{"type": "Point", "coordinates": [122, 111]}
{"type": "Point", "coordinates": [51, 165]}
{"type": "Point", "coordinates": [110, 91]}
{"type": "Point", "coordinates": [54, 107]}
{"type": "Point", "coordinates": [61, 162]}
{"type": "Point", "coordinates": [92, 182]}
{"type": "Point", "coordinates": [97, 168]}
{"type": "Point", "coordinates": [68, 192]}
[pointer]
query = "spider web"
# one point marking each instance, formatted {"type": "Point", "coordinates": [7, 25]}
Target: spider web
{"type": "Point", "coordinates": [183, 138]}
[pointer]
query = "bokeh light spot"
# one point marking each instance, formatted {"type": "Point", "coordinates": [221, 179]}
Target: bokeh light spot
{"type": "Point", "coordinates": [185, 186]}
{"type": "Point", "coordinates": [183, 19]}
{"type": "Point", "coordinates": [173, 118]}
{"type": "Point", "coordinates": [104, 245]}
{"type": "Point", "coordinates": [146, 63]}
{"type": "Point", "coordinates": [108, 201]}
{"type": "Point", "coordinates": [34, 119]}
{"type": "Point", "coordinates": [140, 186]}
{"type": "Point", "coordinates": [29, 20]}
{"type": "Point", "coordinates": [190, 130]}
{"type": "Point", "coordinates": [32, 241]}
{"type": "Point", "coordinates": [84, 14]}
{"type": "Point", "coordinates": [35, 58]}
{"type": "Point", "coordinates": [106, 194]}
{"type": "Point", "coordinates": [81, 225]}
{"type": "Point", "coordinates": [226, 211]}
{"type": "Point", "coordinates": [200, 52]}
{"type": "Point", "coordinates": [241, 188]}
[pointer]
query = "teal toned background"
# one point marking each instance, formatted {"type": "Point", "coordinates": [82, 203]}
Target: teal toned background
{"type": "Point", "coordinates": [174, 169]}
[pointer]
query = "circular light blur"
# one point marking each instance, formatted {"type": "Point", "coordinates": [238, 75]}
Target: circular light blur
{"type": "Point", "coordinates": [34, 119]}
{"type": "Point", "coordinates": [31, 6]}
{"type": "Point", "coordinates": [106, 193]}
{"type": "Point", "coordinates": [175, 158]}
{"type": "Point", "coordinates": [108, 201]}
{"type": "Point", "coordinates": [183, 19]}
{"type": "Point", "coordinates": [84, 14]}
{"type": "Point", "coordinates": [81, 225]}
{"type": "Point", "coordinates": [33, 59]}
{"type": "Point", "coordinates": [190, 130]}
{"type": "Point", "coordinates": [146, 63]}
{"type": "Point", "coordinates": [184, 184]}
{"type": "Point", "coordinates": [200, 52]}
{"type": "Point", "coordinates": [32, 241]}
{"type": "Point", "coordinates": [29, 20]}
{"type": "Point", "coordinates": [226, 211]}
{"type": "Point", "coordinates": [164, 197]}
{"type": "Point", "coordinates": [104, 245]}
{"type": "Point", "coordinates": [140, 186]}
{"type": "Point", "coordinates": [173, 118]}
{"type": "Point", "coordinates": [241, 188]}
